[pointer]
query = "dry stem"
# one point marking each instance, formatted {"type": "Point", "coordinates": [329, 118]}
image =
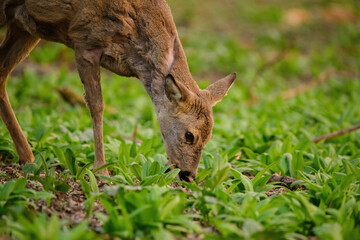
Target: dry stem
{"type": "Point", "coordinates": [336, 134]}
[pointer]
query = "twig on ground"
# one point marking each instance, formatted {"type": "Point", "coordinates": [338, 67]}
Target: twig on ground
{"type": "Point", "coordinates": [336, 134]}
{"type": "Point", "coordinates": [278, 58]}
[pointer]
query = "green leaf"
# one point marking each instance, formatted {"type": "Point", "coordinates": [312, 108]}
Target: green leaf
{"type": "Point", "coordinates": [145, 147]}
{"type": "Point", "coordinates": [71, 162]}
{"type": "Point", "coordinates": [141, 159]}
{"type": "Point", "coordinates": [248, 185]}
{"type": "Point", "coordinates": [85, 187]}
{"type": "Point", "coordinates": [123, 156]}
{"type": "Point", "coordinates": [133, 150]}
{"type": "Point", "coordinates": [169, 176]}
{"type": "Point", "coordinates": [46, 167]}
{"type": "Point", "coordinates": [154, 168]}
{"type": "Point", "coordinates": [233, 185]}
{"type": "Point", "coordinates": [303, 145]}
{"type": "Point", "coordinates": [285, 163]}
{"type": "Point", "coordinates": [62, 187]}
{"type": "Point", "coordinates": [92, 181]}
{"type": "Point", "coordinates": [261, 173]}
{"type": "Point", "coordinates": [248, 152]}
{"type": "Point", "coordinates": [168, 208]}
{"type": "Point", "coordinates": [30, 168]}
{"type": "Point", "coordinates": [203, 173]}
{"type": "Point", "coordinates": [125, 176]}
{"type": "Point", "coordinates": [43, 195]}
{"type": "Point", "coordinates": [286, 146]}
{"type": "Point", "coordinates": [6, 191]}
{"type": "Point", "coordinates": [135, 168]}
{"type": "Point", "coordinates": [145, 171]}
{"type": "Point", "coordinates": [80, 174]}
{"type": "Point", "coordinates": [60, 155]}
{"type": "Point", "coordinates": [20, 184]}
{"type": "Point", "coordinates": [208, 160]}
{"type": "Point", "coordinates": [297, 165]}
{"type": "Point", "coordinates": [104, 166]}
{"type": "Point", "coordinates": [150, 180]}
{"type": "Point", "coordinates": [331, 231]}
{"type": "Point", "coordinates": [218, 179]}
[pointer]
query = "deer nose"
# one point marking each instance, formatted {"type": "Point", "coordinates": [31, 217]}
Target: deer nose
{"type": "Point", "coordinates": [185, 175]}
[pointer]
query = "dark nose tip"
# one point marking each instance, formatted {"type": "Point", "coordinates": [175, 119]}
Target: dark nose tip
{"type": "Point", "coordinates": [185, 175]}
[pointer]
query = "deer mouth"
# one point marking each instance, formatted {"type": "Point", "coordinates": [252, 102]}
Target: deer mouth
{"type": "Point", "coordinates": [183, 175]}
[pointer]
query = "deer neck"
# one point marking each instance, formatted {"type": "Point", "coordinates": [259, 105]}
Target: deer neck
{"type": "Point", "coordinates": [181, 73]}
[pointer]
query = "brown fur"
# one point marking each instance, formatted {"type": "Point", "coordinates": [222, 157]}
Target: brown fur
{"type": "Point", "coordinates": [129, 37]}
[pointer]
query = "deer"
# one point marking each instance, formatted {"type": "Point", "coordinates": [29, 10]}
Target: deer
{"type": "Point", "coordinates": [131, 38]}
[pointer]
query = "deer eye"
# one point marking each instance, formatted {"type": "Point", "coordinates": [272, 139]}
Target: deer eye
{"type": "Point", "coordinates": [189, 137]}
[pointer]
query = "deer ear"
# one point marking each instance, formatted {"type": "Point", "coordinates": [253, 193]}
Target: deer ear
{"type": "Point", "coordinates": [175, 91]}
{"type": "Point", "coordinates": [219, 89]}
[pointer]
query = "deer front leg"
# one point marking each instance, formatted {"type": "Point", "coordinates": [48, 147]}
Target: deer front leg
{"type": "Point", "coordinates": [15, 47]}
{"type": "Point", "coordinates": [88, 64]}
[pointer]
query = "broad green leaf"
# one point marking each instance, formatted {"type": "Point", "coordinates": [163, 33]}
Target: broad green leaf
{"type": "Point", "coordinates": [248, 152]}
{"type": "Point", "coordinates": [146, 169]}
{"type": "Point", "coordinates": [71, 162]}
{"type": "Point", "coordinates": [124, 155]}
{"type": "Point", "coordinates": [169, 176]}
{"type": "Point", "coordinates": [133, 149]}
{"type": "Point", "coordinates": [208, 160]}
{"type": "Point", "coordinates": [85, 187]}
{"type": "Point", "coordinates": [218, 179]}
{"type": "Point", "coordinates": [92, 181]}
{"type": "Point", "coordinates": [20, 184]}
{"type": "Point", "coordinates": [5, 192]}
{"type": "Point", "coordinates": [154, 168]}
{"type": "Point", "coordinates": [46, 167]}
{"type": "Point", "coordinates": [303, 145]}
{"type": "Point", "coordinates": [286, 146]}
{"type": "Point", "coordinates": [260, 174]}
{"type": "Point", "coordinates": [43, 195]}
{"type": "Point", "coordinates": [60, 155]}
{"type": "Point", "coordinates": [135, 168]}
{"type": "Point", "coordinates": [168, 208]}
{"type": "Point", "coordinates": [150, 180]}
{"type": "Point", "coordinates": [203, 174]}
{"type": "Point", "coordinates": [29, 168]}
{"type": "Point", "coordinates": [285, 163]}
{"type": "Point", "coordinates": [331, 231]}
{"type": "Point", "coordinates": [62, 187]}
{"type": "Point", "coordinates": [80, 174]}
{"type": "Point", "coordinates": [297, 164]}
{"type": "Point", "coordinates": [248, 185]}
{"type": "Point", "coordinates": [104, 166]}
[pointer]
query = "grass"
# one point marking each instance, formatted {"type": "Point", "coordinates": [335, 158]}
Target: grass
{"type": "Point", "coordinates": [251, 140]}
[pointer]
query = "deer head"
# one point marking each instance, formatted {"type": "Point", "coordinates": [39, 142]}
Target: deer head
{"type": "Point", "coordinates": [186, 121]}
